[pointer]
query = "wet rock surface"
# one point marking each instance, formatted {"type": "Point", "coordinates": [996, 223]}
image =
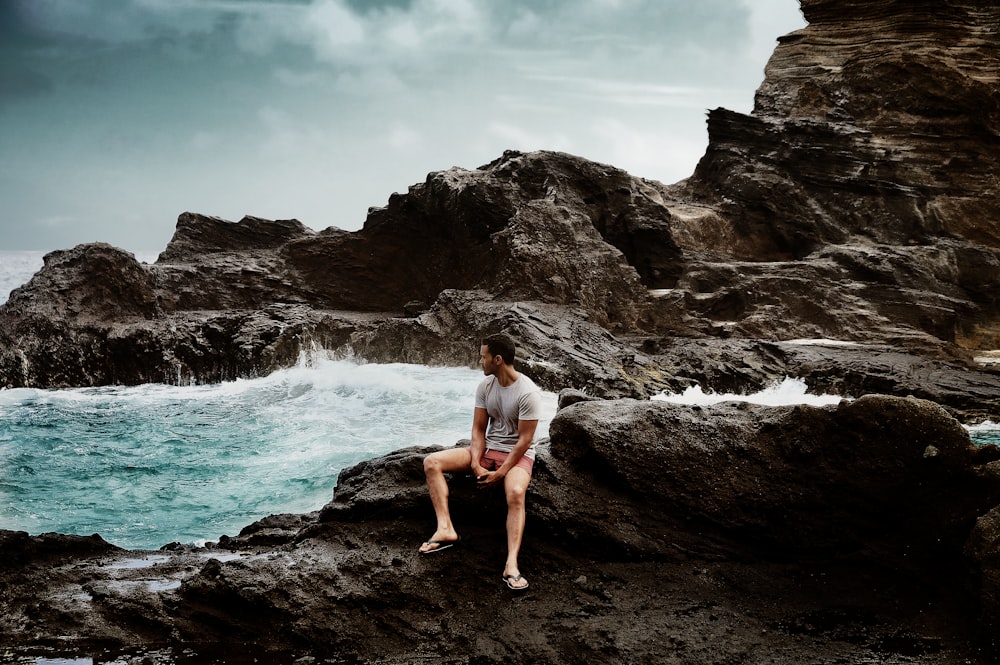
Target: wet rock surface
{"type": "Point", "coordinates": [841, 233]}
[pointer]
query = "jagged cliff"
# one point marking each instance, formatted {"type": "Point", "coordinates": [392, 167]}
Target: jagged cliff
{"type": "Point", "coordinates": [870, 162]}
{"type": "Point", "coordinates": [880, 122]}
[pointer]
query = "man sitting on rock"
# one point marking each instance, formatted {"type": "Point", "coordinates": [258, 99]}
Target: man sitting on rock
{"type": "Point", "coordinates": [508, 406]}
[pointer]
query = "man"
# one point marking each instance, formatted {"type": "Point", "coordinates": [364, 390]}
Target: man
{"type": "Point", "coordinates": [508, 406]}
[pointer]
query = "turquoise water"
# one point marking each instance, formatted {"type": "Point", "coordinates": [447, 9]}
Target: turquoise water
{"type": "Point", "coordinates": [984, 433]}
{"type": "Point", "coordinates": [149, 465]}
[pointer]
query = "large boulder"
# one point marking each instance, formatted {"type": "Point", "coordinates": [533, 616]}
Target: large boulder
{"type": "Point", "coordinates": [90, 284]}
{"type": "Point", "coordinates": [865, 478]}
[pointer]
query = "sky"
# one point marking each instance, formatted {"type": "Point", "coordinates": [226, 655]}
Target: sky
{"type": "Point", "coordinates": [118, 115]}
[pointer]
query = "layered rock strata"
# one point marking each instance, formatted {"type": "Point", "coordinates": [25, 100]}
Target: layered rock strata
{"type": "Point", "coordinates": [873, 145]}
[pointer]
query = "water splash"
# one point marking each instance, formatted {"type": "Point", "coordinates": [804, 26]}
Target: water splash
{"type": "Point", "coordinates": [985, 432]}
{"type": "Point", "coordinates": [788, 391]}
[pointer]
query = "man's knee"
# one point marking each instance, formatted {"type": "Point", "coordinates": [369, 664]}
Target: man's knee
{"type": "Point", "coordinates": [432, 464]}
{"type": "Point", "coordinates": [516, 493]}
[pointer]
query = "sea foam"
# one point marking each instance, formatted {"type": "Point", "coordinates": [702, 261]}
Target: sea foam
{"type": "Point", "coordinates": [786, 392]}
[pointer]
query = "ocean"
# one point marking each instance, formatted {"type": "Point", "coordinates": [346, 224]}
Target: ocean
{"type": "Point", "coordinates": [149, 465]}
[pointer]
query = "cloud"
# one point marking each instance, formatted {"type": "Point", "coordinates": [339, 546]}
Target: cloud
{"type": "Point", "coordinates": [628, 93]}
{"type": "Point", "coordinates": [18, 82]}
{"type": "Point", "coordinates": [118, 110]}
{"type": "Point", "coordinates": [403, 137]}
{"type": "Point", "coordinates": [284, 136]}
{"type": "Point", "coordinates": [414, 41]}
{"type": "Point", "coordinates": [639, 151]}
{"type": "Point", "coordinates": [519, 137]}
{"type": "Point", "coordinates": [202, 141]}
{"type": "Point", "coordinates": [115, 21]}
{"type": "Point", "coordinates": [767, 22]}
{"type": "Point", "coordinates": [301, 78]}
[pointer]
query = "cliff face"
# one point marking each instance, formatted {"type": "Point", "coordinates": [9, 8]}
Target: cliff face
{"type": "Point", "coordinates": [880, 120]}
{"type": "Point", "coordinates": [873, 147]}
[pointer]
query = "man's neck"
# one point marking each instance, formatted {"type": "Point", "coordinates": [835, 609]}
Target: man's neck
{"type": "Point", "coordinates": [506, 375]}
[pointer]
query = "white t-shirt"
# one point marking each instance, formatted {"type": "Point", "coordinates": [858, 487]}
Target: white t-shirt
{"type": "Point", "coordinates": [521, 400]}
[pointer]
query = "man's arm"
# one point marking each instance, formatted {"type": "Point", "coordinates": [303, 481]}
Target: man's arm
{"type": "Point", "coordinates": [480, 419]}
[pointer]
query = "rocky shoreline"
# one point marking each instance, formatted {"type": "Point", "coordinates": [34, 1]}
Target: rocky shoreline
{"type": "Point", "coordinates": [760, 534]}
{"type": "Point", "coordinates": [842, 233]}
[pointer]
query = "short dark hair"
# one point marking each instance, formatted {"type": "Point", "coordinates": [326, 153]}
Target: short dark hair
{"type": "Point", "coordinates": [501, 345]}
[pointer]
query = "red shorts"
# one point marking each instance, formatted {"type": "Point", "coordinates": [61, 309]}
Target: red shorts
{"type": "Point", "coordinates": [492, 459]}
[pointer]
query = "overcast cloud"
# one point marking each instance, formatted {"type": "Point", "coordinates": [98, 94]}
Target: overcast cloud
{"type": "Point", "coordinates": [118, 115]}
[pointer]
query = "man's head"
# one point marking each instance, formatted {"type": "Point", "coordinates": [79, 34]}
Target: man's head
{"type": "Point", "coordinates": [493, 346]}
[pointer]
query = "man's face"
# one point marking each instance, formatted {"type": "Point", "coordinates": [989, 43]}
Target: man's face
{"type": "Point", "coordinates": [486, 360]}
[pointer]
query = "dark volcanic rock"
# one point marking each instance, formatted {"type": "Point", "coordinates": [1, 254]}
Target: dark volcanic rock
{"type": "Point", "coordinates": [89, 285]}
{"type": "Point", "coordinates": [197, 235]}
{"type": "Point", "coordinates": [880, 120]}
{"type": "Point", "coordinates": [580, 310]}
{"type": "Point", "coordinates": [875, 132]}
{"type": "Point", "coordinates": [983, 550]}
{"type": "Point", "coordinates": [731, 533]}
{"type": "Point", "coordinates": [493, 233]}
{"type": "Point", "coordinates": [784, 482]}
{"type": "Point", "coordinates": [19, 549]}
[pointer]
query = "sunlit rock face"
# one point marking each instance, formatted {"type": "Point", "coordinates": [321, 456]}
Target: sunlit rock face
{"type": "Point", "coordinates": [870, 161]}
{"type": "Point", "coordinates": [880, 119]}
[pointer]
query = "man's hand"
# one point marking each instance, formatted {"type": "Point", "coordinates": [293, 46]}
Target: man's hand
{"type": "Point", "coordinates": [488, 478]}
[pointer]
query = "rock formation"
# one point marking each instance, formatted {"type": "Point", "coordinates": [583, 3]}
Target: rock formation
{"type": "Point", "coordinates": [856, 203]}
{"type": "Point", "coordinates": [871, 155]}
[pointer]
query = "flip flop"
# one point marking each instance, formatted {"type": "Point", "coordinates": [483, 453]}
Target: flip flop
{"type": "Point", "coordinates": [510, 579]}
{"type": "Point", "coordinates": [438, 545]}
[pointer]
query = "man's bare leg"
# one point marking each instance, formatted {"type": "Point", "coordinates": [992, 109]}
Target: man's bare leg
{"type": "Point", "coordinates": [515, 487]}
{"type": "Point", "coordinates": [435, 466]}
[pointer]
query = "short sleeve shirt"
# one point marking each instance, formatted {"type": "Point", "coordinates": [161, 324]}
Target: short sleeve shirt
{"type": "Point", "coordinates": [506, 407]}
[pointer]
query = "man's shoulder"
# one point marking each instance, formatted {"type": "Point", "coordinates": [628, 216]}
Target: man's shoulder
{"type": "Point", "coordinates": [484, 387]}
{"type": "Point", "coordinates": [525, 384]}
